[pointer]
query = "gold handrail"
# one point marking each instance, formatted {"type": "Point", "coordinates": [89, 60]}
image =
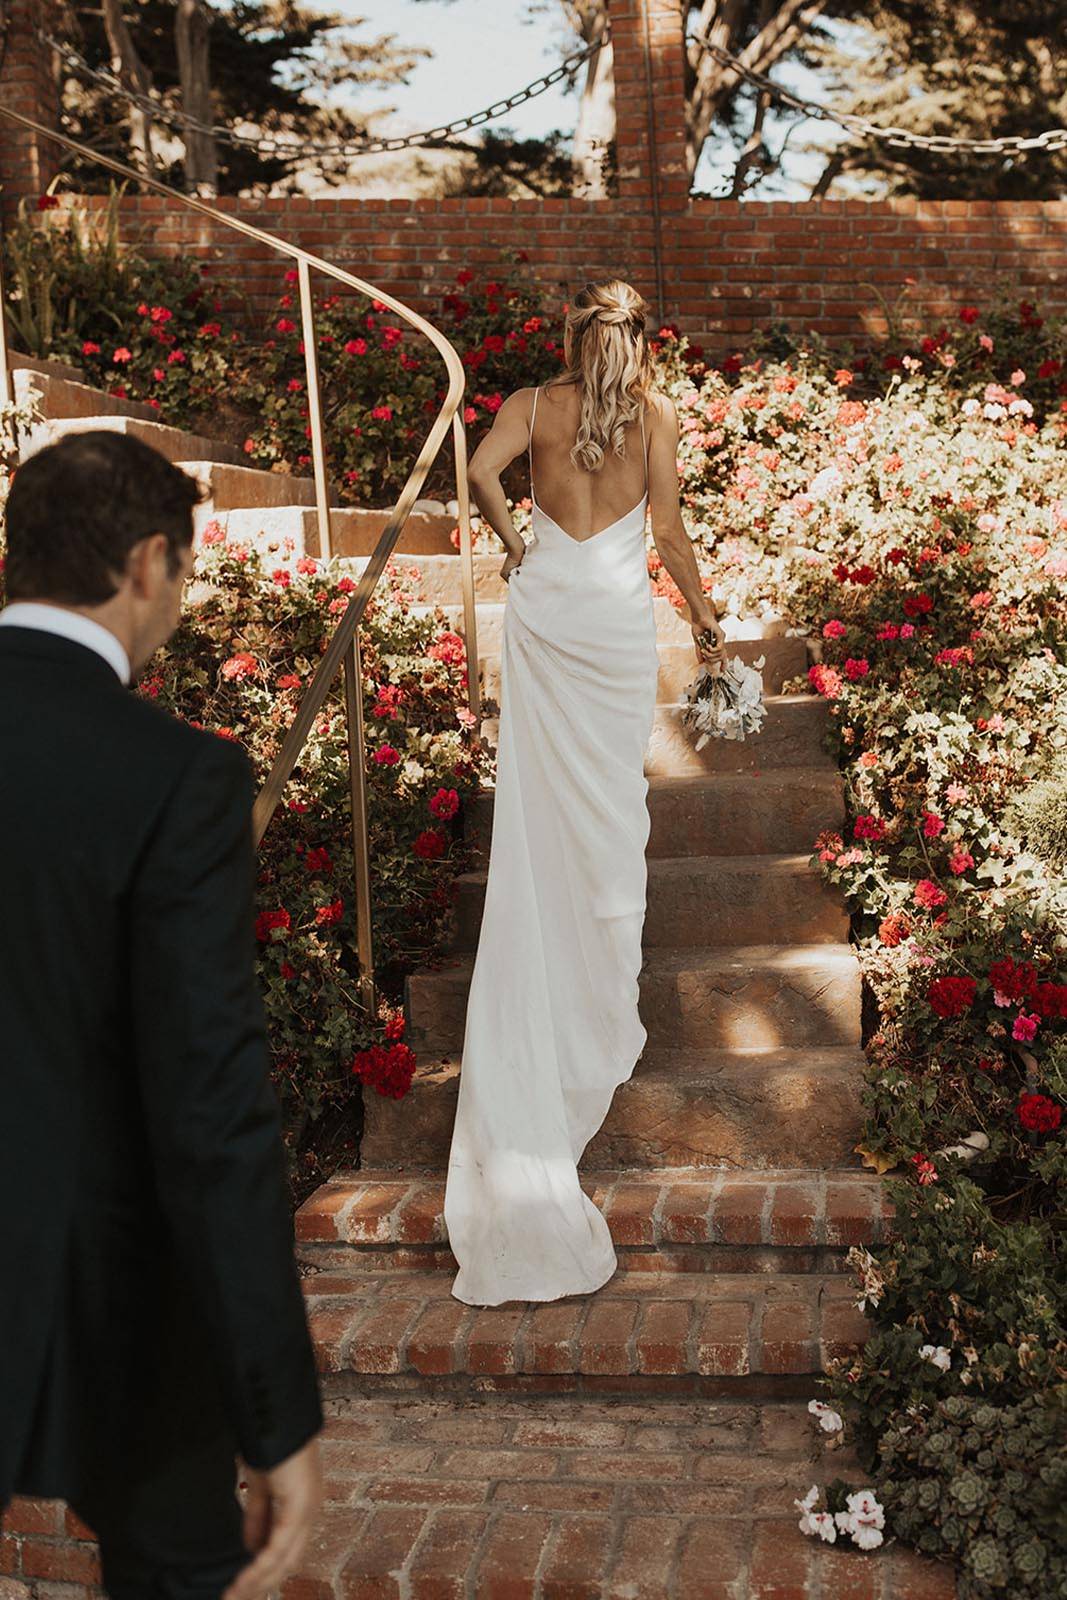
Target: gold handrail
{"type": "Point", "coordinates": [343, 649]}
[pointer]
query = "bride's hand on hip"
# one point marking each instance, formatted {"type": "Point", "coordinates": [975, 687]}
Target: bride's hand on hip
{"type": "Point", "coordinates": [511, 564]}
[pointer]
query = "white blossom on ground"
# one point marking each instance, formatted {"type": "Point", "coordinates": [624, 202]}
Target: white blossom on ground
{"type": "Point", "coordinates": [805, 1507]}
{"type": "Point", "coordinates": [822, 1523]}
{"type": "Point", "coordinates": [863, 1520]}
{"type": "Point", "coordinates": [829, 1420]}
{"type": "Point", "coordinates": [937, 1356]}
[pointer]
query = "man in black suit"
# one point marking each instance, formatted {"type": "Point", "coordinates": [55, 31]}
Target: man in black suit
{"type": "Point", "coordinates": [151, 1322]}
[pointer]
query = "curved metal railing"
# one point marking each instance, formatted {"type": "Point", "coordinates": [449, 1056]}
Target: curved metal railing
{"type": "Point", "coordinates": [343, 649]}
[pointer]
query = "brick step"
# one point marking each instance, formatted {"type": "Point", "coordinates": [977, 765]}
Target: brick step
{"type": "Point", "coordinates": [682, 1108]}
{"type": "Point", "coordinates": [660, 1332]}
{"type": "Point", "coordinates": [60, 393]}
{"type": "Point", "coordinates": [505, 1497]}
{"type": "Point", "coordinates": [755, 996]}
{"type": "Point", "coordinates": [685, 1220]}
{"type": "Point", "coordinates": [710, 900]}
{"type": "Point", "coordinates": [174, 443]}
{"type": "Point", "coordinates": [774, 810]}
{"type": "Point", "coordinates": [355, 532]}
{"type": "Point", "coordinates": [792, 735]}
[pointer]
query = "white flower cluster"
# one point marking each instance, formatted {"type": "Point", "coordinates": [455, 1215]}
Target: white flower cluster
{"type": "Point", "coordinates": [861, 1521]}
{"type": "Point", "coordinates": [829, 1420]}
{"type": "Point", "coordinates": [937, 1355]}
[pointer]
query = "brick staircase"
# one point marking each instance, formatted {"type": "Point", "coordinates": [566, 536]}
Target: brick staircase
{"type": "Point", "coordinates": [647, 1441]}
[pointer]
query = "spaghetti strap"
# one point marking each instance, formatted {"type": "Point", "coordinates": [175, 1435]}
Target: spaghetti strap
{"type": "Point", "coordinates": [644, 445]}
{"type": "Point", "coordinates": [529, 444]}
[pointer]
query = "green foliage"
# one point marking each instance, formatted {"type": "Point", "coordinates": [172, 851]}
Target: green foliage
{"type": "Point", "coordinates": [984, 1485]}
{"type": "Point", "coordinates": [1039, 814]}
{"type": "Point", "coordinates": [139, 327]}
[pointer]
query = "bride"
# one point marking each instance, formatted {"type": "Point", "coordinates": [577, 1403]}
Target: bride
{"type": "Point", "coordinates": [552, 1023]}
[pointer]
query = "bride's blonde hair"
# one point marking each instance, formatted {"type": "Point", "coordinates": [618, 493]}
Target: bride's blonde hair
{"type": "Point", "coordinates": [607, 356]}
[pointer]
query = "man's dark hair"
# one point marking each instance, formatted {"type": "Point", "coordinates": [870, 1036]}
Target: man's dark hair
{"type": "Point", "coordinates": [77, 508]}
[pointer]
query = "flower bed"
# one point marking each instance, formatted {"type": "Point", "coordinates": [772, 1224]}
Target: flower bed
{"type": "Point", "coordinates": [917, 530]}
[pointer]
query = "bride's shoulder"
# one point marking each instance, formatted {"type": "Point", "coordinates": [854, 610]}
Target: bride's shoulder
{"type": "Point", "coordinates": [661, 407]}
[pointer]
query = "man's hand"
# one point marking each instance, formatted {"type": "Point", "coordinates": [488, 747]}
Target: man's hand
{"type": "Point", "coordinates": [280, 1512]}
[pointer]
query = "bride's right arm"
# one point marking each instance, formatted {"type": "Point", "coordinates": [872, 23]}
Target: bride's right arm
{"type": "Point", "coordinates": [506, 439]}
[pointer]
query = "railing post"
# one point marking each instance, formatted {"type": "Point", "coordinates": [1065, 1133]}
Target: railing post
{"type": "Point", "coordinates": [318, 446]}
{"type": "Point", "coordinates": [357, 774]}
{"type": "Point", "coordinates": [466, 556]}
{"type": "Point", "coordinates": [6, 395]}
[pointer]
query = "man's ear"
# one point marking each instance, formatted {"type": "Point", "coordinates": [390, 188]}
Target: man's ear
{"type": "Point", "coordinates": [147, 565]}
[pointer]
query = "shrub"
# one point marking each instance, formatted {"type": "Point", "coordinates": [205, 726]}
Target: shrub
{"type": "Point", "coordinates": [986, 1486]}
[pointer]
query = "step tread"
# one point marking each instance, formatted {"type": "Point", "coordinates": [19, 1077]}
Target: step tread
{"type": "Point", "coordinates": [163, 436]}
{"type": "Point", "coordinates": [640, 1325]}
{"type": "Point", "coordinates": [796, 1207]}
{"type": "Point", "coordinates": [697, 958]}
{"type": "Point", "coordinates": [759, 866]}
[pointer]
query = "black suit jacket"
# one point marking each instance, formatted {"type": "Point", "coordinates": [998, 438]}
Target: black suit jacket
{"type": "Point", "coordinates": [149, 1301]}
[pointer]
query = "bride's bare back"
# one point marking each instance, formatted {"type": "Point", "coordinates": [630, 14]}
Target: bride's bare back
{"type": "Point", "coordinates": [580, 503]}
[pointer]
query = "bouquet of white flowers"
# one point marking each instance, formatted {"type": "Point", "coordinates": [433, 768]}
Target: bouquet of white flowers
{"type": "Point", "coordinates": [726, 704]}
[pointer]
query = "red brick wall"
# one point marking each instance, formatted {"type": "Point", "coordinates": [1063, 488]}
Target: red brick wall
{"type": "Point", "coordinates": [728, 266]}
{"type": "Point", "coordinates": [27, 161]}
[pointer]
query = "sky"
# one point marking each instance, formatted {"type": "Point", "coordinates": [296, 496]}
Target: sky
{"type": "Point", "coordinates": [484, 50]}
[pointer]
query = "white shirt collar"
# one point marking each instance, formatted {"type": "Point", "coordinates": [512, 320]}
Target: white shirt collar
{"type": "Point", "coordinates": [69, 625]}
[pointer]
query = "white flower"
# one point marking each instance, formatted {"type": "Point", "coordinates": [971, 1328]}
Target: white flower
{"type": "Point", "coordinates": [863, 1520]}
{"type": "Point", "coordinates": [825, 483]}
{"type": "Point", "coordinates": [937, 1356]}
{"type": "Point", "coordinates": [829, 1420]}
{"type": "Point", "coordinates": [806, 1507]}
{"type": "Point", "coordinates": [823, 1524]}
{"type": "Point", "coordinates": [970, 408]}
{"type": "Point", "coordinates": [995, 412]}
{"type": "Point", "coordinates": [1021, 405]}
{"type": "Point", "coordinates": [916, 421]}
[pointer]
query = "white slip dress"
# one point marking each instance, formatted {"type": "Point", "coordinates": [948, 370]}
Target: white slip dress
{"type": "Point", "coordinates": [552, 1025]}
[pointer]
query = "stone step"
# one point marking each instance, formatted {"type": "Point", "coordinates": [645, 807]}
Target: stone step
{"type": "Point", "coordinates": [782, 659]}
{"type": "Point", "coordinates": [682, 1108]}
{"type": "Point", "coordinates": [793, 735]}
{"type": "Point", "coordinates": [17, 361]}
{"type": "Point", "coordinates": [746, 997]}
{"type": "Point", "coordinates": [62, 394]}
{"type": "Point", "coordinates": [722, 813]}
{"type": "Point", "coordinates": [229, 487]}
{"type": "Point", "coordinates": [671, 626]}
{"type": "Point", "coordinates": [710, 900]}
{"type": "Point", "coordinates": [355, 532]}
{"type": "Point", "coordinates": [436, 1496]}
{"type": "Point", "coordinates": [174, 443]}
{"type": "Point", "coordinates": [683, 1332]}
{"type": "Point", "coordinates": [682, 1219]}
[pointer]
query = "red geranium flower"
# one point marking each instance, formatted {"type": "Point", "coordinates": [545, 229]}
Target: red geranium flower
{"type": "Point", "coordinates": [925, 1171]}
{"type": "Point", "coordinates": [328, 916]}
{"type": "Point", "coordinates": [1039, 1114]}
{"type": "Point", "coordinates": [445, 803]}
{"type": "Point", "coordinates": [929, 894]}
{"type": "Point", "coordinates": [268, 921]}
{"type": "Point", "coordinates": [430, 844]}
{"type": "Point", "coordinates": [1011, 983]}
{"type": "Point", "coordinates": [951, 997]}
{"type": "Point", "coordinates": [894, 929]}
{"type": "Point", "coordinates": [240, 666]}
{"type": "Point", "coordinates": [825, 680]}
{"type": "Point", "coordinates": [869, 827]}
{"type": "Point", "coordinates": [318, 861]}
{"type": "Point", "coordinates": [917, 605]}
{"type": "Point", "coordinates": [389, 1071]}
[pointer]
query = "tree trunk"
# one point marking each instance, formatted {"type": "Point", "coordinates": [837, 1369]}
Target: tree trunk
{"type": "Point", "coordinates": [723, 21]}
{"type": "Point", "coordinates": [192, 25]}
{"type": "Point", "coordinates": [133, 75]}
{"type": "Point", "coordinates": [596, 116]}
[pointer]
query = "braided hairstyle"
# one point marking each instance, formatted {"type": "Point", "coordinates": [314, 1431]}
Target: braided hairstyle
{"type": "Point", "coordinates": [607, 356]}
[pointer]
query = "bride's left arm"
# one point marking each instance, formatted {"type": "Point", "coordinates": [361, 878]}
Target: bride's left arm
{"type": "Point", "coordinates": [506, 439]}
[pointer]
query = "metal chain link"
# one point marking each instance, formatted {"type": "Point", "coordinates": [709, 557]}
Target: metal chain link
{"type": "Point", "coordinates": [278, 144]}
{"type": "Point", "coordinates": [267, 144]}
{"type": "Point", "coordinates": [900, 138]}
